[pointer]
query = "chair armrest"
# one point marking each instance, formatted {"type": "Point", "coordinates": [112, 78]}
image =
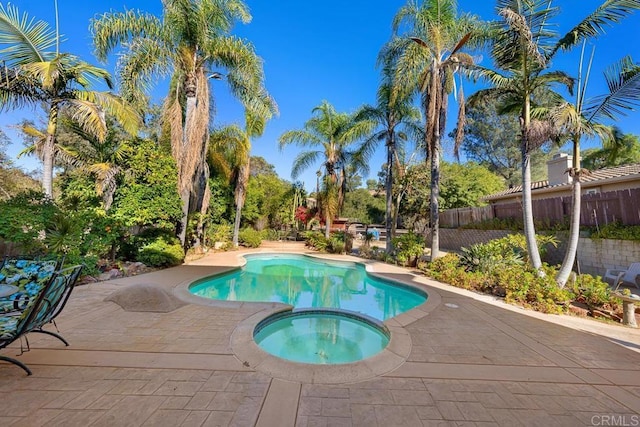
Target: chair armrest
{"type": "Point", "coordinates": [613, 273]}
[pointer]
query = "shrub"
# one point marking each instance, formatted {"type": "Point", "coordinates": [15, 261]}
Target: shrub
{"type": "Point", "coordinates": [315, 239]}
{"type": "Point", "coordinates": [408, 248]}
{"type": "Point", "coordinates": [220, 232]}
{"type": "Point", "coordinates": [487, 257]}
{"type": "Point", "coordinates": [616, 230]}
{"type": "Point", "coordinates": [161, 253]}
{"type": "Point", "coordinates": [594, 292]}
{"type": "Point", "coordinates": [250, 238]}
{"type": "Point", "coordinates": [340, 242]}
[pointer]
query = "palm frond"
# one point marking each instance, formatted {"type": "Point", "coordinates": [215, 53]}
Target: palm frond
{"type": "Point", "coordinates": [27, 40]}
{"type": "Point", "coordinates": [302, 161]}
{"type": "Point", "coordinates": [608, 13]}
{"type": "Point", "coordinates": [112, 29]}
{"type": "Point", "coordinates": [623, 81]}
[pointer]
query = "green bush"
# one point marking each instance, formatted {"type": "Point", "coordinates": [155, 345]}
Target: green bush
{"type": "Point", "coordinates": [616, 230]}
{"type": "Point", "coordinates": [250, 238]}
{"type": "Point", "coordinates": [487, 257]}
{"type": "Point", "coordinates": [408, 248]}
{"type": "Point", "coordinates": [316, 240]}
{"type": "Point", "coordinates": [340, 242]}
{"type": "Point", "coordinates": [219, 233]}
{"type": "Point", "coordinates": [516, 283]}
{"type": "Point", "coordinates": [594, 292]}
{"type": "Point", "coordinates": [161, 253]}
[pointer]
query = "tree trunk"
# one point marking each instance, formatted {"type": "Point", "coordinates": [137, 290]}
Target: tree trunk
{"type": "Point", "coordinates": [388, 188]}
{"type": "Point", "coordinates": [327, 223]}
{"type": "Point", "coordinates": [186, 175]}
{"type": "Point", "coordinates": [185, 196]}
{"type": "Point", "coordinates": [49, 151]}
{"type": "Point", "coordinates": [574, 226]}
{"type": "Point", "coordinates": [435, 192]}
{"type": "Point", "coordinates": [241, 191]}
{"type": "Point", "coordinates": [527, 206]}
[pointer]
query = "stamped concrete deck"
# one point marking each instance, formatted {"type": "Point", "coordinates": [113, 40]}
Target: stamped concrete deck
{"type": "Point", "coordinates": [471, 360]}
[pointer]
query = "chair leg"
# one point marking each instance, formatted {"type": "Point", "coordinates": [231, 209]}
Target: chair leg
{"type": "Point", "coordinates": [16, 362]}
{"type": "Point", "coordinates": [53, 334]}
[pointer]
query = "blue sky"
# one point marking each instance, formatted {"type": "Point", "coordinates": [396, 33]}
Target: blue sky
{"type": "Point", "coordinates": [317, 50]}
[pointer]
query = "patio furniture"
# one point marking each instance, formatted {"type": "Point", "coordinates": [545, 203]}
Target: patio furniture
{"type": "Point", "coordinates": [39, 310]}
{"type": "Point", "coordinates": [58, 299]}
{"type": "Point", "coordinates": [628, 276]}
{"type": "Point", "coordinates": [29, 276]}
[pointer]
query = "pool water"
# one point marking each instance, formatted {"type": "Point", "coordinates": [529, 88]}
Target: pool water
{"type": "Point", "coordinates": [307, 282]}
{"type": "Point", "coordinates": [320, 338]}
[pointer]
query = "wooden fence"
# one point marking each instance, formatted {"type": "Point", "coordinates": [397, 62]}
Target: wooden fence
{"type": "Point", "coordinates": [597, 209]}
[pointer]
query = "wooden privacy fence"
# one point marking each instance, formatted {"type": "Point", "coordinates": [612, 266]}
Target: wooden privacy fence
{"type": "Point", "coordinates": [597, 209]}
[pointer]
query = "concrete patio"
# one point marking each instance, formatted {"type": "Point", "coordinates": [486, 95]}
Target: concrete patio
{"type": "Point", "coordinates": [471, 360]}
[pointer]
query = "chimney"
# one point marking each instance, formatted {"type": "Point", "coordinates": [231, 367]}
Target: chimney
{"type": "Point", "coordinates": [557, 169]}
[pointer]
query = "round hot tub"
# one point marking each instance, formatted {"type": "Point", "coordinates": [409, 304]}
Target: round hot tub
{"type": "Point", "coordinates": [321, 336]}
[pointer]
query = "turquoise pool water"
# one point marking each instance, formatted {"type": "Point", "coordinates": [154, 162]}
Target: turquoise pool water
{"type": "Point", "coordinates": [307, 282]}
{"type": "Point", "coordinates": [320, 338]}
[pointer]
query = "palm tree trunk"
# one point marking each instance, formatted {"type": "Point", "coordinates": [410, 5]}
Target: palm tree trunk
{"type": "Point", "coordinates": [186, 175]}
{"type": "Point", "coordinates": [49, 151]}
{"type": "Point", "coordinates": [574, 226]}
{"type": "Point", "coordinates": [527, 206]}
{"type": "Point", "coordinates": [388, 188]}
{"type": "Point", "coordinates": [435, 192]}
{"type": "Point", "coordinates": [327, 223]}
{"type": "Point", "coordinates": [241, 191]}
{"type": "Point", "coordinates": [236, 226]}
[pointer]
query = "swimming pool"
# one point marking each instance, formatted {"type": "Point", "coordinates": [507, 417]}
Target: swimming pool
{"type": "Point", "coordinates": [309, 282]}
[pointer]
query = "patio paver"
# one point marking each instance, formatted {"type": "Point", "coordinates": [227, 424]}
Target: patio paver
{"type": "Point", "coordinates": [471, 362]}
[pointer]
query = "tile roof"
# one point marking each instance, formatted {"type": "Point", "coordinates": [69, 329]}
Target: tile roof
{"type": "Point", "coordinates": [595, 175]}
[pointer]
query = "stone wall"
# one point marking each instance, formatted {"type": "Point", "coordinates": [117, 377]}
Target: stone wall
{"type": "Point", "coordinates": [594, 256]}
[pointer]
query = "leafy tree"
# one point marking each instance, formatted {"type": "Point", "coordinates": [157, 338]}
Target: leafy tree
{"type": "Point", "coordinates": [34, 75]}
{"type": "Point", "coordinates": [12, 180]}
{"type": "Point", "coordinates": [491, 139]}
{"type": "Point", "coordinates": [361, 206]}
{"type": "Point", "coordinates": [617, 149]}
{"type": "Point", "coordinates": [267, 202]}
{"type": "Point", "coordinates": [148, 196]}
{"type": "Point", "coordinates": [426, 59]}
{"type": "Point", "coordinates": [463, 185]}
{"type": "Point", "coordinates": [524, 45]}
{"type": "Point", "coordinates": [191, 38]}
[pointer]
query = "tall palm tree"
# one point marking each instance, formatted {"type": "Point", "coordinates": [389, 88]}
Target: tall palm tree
{"type": "Point", "coordinates": [427, 58]}
{"type": "Point", "coordinates": [330, 133]}
{"type": "Point", "coordinates": [35, 75]}
{"type": "Point", "coordinates": [396, 121]}
{"type": "Point", "coordinates": [191, 38]}
{"type": "Point", "coordinates": [523, 48]}
{"type": "Point", "coordinates": [584, 118]}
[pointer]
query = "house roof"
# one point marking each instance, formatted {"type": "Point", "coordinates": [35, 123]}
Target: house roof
{"type": "Point", "coordinates": [589, 180]}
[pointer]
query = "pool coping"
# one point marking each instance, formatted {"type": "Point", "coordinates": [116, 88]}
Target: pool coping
{"type": "Point", "coordinates": [246, 350]}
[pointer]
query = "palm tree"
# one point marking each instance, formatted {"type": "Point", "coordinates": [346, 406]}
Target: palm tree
{"type": "Point", "coordinates": [191, 38]}
{"type": "Point", "coordinates": [523, 47]}
{"type": "Point", "coordinates": [230, 152]}
{"type": "Point", "coordinates": [583, 118]}
{"type": "Point", "coordinates": [390, 116]}
{"type": "Point", "coordinates": [426, 61]}
{"type": "Point", "coordinates": [330, 133]}
{"type": "Point", "coordinates": [80, 149]}
{"type": "Point", "coordinates": [34, 75]}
